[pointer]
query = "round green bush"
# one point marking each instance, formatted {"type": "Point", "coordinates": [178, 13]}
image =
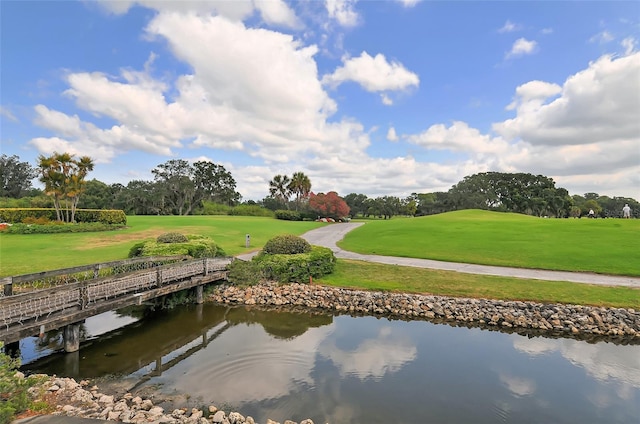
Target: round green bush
{"type": "Point", "coordinates": [296, 268]}
{"type": "Point", "coordinates": [286, 244]}
{"type": "Point", "coordinates": [172, 238]}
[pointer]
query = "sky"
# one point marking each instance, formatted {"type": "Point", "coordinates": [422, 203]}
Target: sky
{"type": "Point", "coordinates": [373, 97]}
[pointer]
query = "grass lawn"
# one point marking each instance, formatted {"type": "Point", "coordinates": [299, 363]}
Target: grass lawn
{"type": "Point", "coordinates": [371, 276]}
{"type": "Point", "coordinates": [608, 246]}
{"type": "Point", "coordinates": [28, 253]}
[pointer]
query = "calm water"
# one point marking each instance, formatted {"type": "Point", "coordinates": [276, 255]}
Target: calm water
{"type": "Point", "coordinates": [343, 369]}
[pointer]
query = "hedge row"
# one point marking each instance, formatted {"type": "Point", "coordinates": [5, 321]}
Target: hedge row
{"type": "Point", "coordinates": [288, 215]}
{"type": "Point", "coordinates": [17, 215]}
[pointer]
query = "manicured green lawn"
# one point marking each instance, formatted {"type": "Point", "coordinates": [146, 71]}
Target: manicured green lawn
{"type": "Point", "coordinates": [23, 254]}
{"type": "Point", "coordinates": [609, 246]}
{"type": "Point", "coordinates": [372, 276]}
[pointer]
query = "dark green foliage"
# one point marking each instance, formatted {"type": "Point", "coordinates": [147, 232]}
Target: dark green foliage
{"type": "Point", "coordinates": [296, 268]}
{"type": "Point", "coordinates": [14, 396]}
{"type": "Point", "coordinates": [250, 210]}
{"type": "Point", "coordinates": [16, 215]}
{"type": "Point", "coordinates": [244, 273]}
{"type": "Point", "coordinates": [194, 245]}
{"type": "Point", "coordinates": [58, 228]}
{"type": "Point", "coordinates": [288, 215]}
{"type": "Point", "coordinates": [136, 250]}
{"type": "Point", "coordinates": [286, 244]}
{"type": "Point", "coordinates": [172, 238]}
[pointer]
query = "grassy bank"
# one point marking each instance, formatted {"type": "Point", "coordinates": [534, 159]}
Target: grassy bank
{"type": "Point", "coordinates": [371, 276]}
{"type": "Point", "coordinates": [609, 246]}
{"type": "Point", "coordinates": [22, 254]}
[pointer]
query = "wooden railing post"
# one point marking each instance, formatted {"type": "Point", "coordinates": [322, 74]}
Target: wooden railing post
{"type": "Point", "coordinates": [7, 282]}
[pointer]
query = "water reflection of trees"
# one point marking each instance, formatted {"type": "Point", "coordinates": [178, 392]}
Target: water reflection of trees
{"type": "Point", "coordinates": [284, 325]}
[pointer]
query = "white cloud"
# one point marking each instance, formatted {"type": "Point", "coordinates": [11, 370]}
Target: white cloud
{"type": "Point", "coordinates": [58, 122]}
{"type": "Point", "coordinates": [372, 358]}
{"type": "Point", "coordinates": [629, 45]}
{"type": "Point", "coordinates": [519, 386]}
{"type": "Point", "coordinates": [602, 37]}
{"type": "Point", "coordinates": [273, 12]}
{"type": "Point", "coordinates": [533, 94]}
{"type": "Point", "coordinates": [4, 111]}
{"type": "Point", "coordinates": [598, 104]}
{"type": "Point", "coordinates": [277, 12]}
{"type": "Point", "coordinates": [343, 12]}
{"type": "Point", "coordinates": [391, 134]}
{"type": "Point", "coordinates": [546, 31]}
{"type": "Point", "coordinates": [459, 137]}
{"type": "Point", "coordinates": [386, 100]}
{"type": "Point", "coordinates": [509, 27]}
{"type": "Point", "coordinates": [409, 3]}
{"type": "Point", "coordinates": [522, 47]}
{"type": "Point", "coordinates": [374, 74]}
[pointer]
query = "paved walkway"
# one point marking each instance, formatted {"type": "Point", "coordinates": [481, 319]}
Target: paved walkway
{"type": "Point", "coordinates": [329, 235]}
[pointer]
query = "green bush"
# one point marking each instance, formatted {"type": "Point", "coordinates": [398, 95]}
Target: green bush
{"type": "Point", "coordinates": [172, 238]}
{"type": "Point", "coordinates": [244, 273]}
{"type": "Point", "coordinates": [212, 208]}
{"type": "Point", "coordinates": [288, 215]}
{"type": "Point", "coordinates": [286, 244]}
{"type": "Point", "coordinates": [296, 268]}
{"type": "Point", "coordinates": [250, 210]}
{"type": "Point", "coordinates": [195, 246]}
{"type": "Point", "coordinates": [14, 395]}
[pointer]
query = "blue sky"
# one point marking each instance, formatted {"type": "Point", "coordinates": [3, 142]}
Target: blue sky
{"type": "Point", "coordinates": [373, 97]}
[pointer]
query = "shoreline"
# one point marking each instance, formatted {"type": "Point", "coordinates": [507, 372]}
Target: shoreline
{"type": "Point", "coordinates": [589, 323]}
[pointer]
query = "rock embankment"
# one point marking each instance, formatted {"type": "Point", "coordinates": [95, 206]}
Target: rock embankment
{"type": "Point", "coordinates": [79, 400]}
{"type": "Point", "coordinates": [552, 319]}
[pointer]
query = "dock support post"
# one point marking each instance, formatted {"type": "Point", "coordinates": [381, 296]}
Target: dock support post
{"type": "Point", "coordinates": [71, 336]}
{"type": "Point", "coordinates": [199, 294]}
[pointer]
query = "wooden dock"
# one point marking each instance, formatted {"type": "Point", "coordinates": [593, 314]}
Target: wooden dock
{"type": "Point", "coordinates": [35, 303]}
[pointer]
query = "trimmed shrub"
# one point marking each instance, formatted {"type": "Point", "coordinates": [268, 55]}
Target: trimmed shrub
{"type": "Point", "coordinates": [195, 246]}
{"type": "Point", "coordinates": [172, 238]}
{"type": "Point", "coordinates": [296, 268]}
{"type": "Point", "coordinates": [250, 210]}
{"type": "Point", "coordinates": [57, 227]}
{"type": "Point", "coordinates": [288, 215]}
{"type": "Point", "coordinates": [286, 244]}
{"type": "Point", "coordinates": [244, 273]}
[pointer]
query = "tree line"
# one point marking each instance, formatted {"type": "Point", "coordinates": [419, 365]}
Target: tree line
{"type": "Point", "coordinates": [505, 192]}
{"type": "Point", "coordinates": [183, 188]}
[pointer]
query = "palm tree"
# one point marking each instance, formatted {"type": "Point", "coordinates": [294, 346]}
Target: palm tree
{"type": "Point", "coordinates": [77, 182]}
{"type": "Point", "coordinates": [63, 178]}
{"type": "Point", "coordinates": [279, 188]}
{"type": "Point", "coordinates": [300, 185]}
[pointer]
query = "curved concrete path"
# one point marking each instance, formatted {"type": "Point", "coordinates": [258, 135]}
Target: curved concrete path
{"type": "Point", "coordinates": [329, 235]}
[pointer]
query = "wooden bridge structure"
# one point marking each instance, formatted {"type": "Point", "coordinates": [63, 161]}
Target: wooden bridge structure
{"type": "Point", "coordinates": [32, 304]}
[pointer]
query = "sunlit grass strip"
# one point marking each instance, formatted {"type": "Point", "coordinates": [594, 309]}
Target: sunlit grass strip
{"type": "Point", "coordinates": [29, 253]}
{"type": "Point", "coordinates": [608, 246]}
{"type": "Point", "coordinates": [371, 276]}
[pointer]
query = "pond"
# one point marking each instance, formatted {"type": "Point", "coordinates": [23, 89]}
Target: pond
{"type": "Point", "coordinates": [343, 369]}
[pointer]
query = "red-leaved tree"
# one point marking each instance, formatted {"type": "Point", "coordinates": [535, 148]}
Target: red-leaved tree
{"type": "Point", "coordinates": [328, 205]}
